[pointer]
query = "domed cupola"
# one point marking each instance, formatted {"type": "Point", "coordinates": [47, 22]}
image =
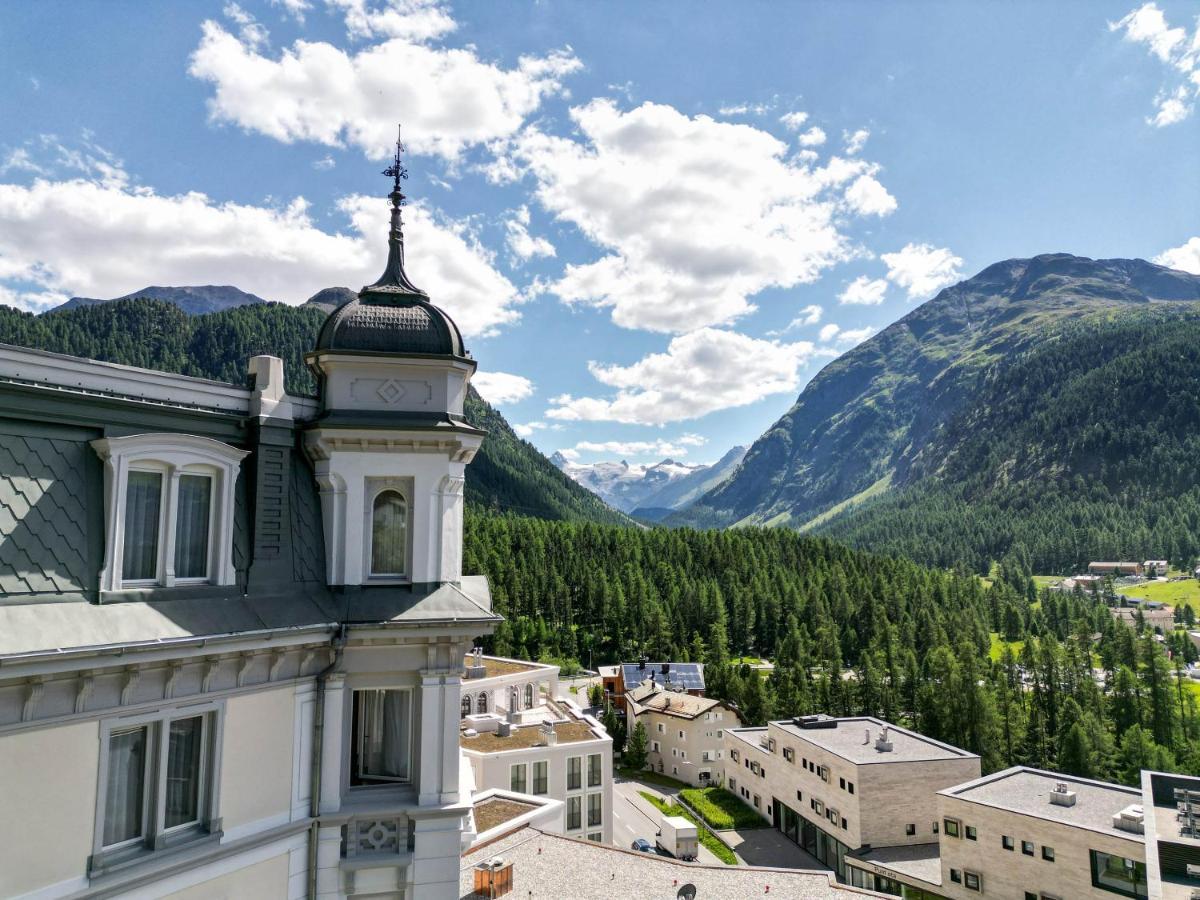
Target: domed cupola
{"type": "Point", "coordinates": [392, 315]}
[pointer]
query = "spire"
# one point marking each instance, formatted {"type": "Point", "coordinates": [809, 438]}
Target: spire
{"type": "Point", "coordinates": [394, 279]}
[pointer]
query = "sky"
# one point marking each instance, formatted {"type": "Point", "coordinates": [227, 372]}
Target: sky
{"type": "Point", "coordinates": [654, 223]}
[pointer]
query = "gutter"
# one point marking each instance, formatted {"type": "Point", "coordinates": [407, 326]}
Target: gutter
{"type": "Point", "coordinates": [337, 643]}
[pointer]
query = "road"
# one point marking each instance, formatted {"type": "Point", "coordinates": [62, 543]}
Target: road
{"type": "Point", "coordinates": [634, 817]}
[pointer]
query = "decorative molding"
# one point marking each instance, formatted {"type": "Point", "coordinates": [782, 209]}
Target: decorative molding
{"type": "Point", "coordinates": [277, 659]}
{"type": "Point", "coordinates": [132, 677]}
{"type": "Point", "coordinates": [211, 667]}
{"type": "Point", "coordinates": [83, 691]}
{"type": "Point", "coordinates": [33, 695]}
{"type": "Point", "coordinates": [247, 659]}
{"type": "Point", "coordinates": [172, 678]}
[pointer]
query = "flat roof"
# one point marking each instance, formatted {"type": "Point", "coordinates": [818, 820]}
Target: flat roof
{"type": "Point", "coordinates": [1027, 791]}
{"type": "Point", "coordinates": [497, 665]}
{"type": "Point", "coordinates": [551, 865]}
{"type": "Point", "coordinates": [527, 736]}
{"type": "Point", "coordinates": [495, 811]}
{"type": "Point", "coordinates": [846, 739]}
{"type": "Point", "coordinates": [922, 862]}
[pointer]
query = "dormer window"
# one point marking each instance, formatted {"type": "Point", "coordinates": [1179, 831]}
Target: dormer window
{"type": "Point", "coordinates": [389, 532]}
{"type": "Point", "coordinates": [170, 500]}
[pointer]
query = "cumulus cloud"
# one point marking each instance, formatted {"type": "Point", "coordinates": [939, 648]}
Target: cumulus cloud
{"type": "Point", "coordinates": [856, 141]}
{"type": "Point", "coordinates": [865, 291]}
{"type": "Point", "coordinates": [867, 196]}
{"type": "Point", "coordinates": [250, 31]}
{"type": "Point", "coordinates": [697, 215]}
{"type": "Point", "coordinates": [103, 236]}
{"type": "Point", "coordinates": [809, 315]}
{"type": "Point", "coordinates": [922, 269]}
{"type": "Point", "coordinates": [324, 164]}
{"type": "Point", "coordinates": [293, 8]}
{"type": "Point", "coordinates": [1185, 258]}
{"type": "Point", "coordinates": [794, 121]}
{"type": "Point", "coordinates": [1147, 25]}
{"type": "Point", "coordinates": [657, 448]}
{"type": "Point", "coordinates": [814, 137]}
{"type": "Point", "coordinates": [502, 387]}
{"type": "Point", "coordinates": [521, 243]}
{"type": "Point", "coordinates": [448, 98]}
{"type": "Point", "coordinates": [699, 373]}
{"type": "Point", "coordinates": [843, 339]}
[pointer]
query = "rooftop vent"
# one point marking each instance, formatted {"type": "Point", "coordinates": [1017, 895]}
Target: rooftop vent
{"type": "Point", "coordinates": [549, 735]}
{"type": "Point", "coordinates": [504, 729]}
{"type": "Point", "coordinates": [883, 743]}
{"type": "Point", "coordinates": [1061, 796]}
{"type": "Point", "coordinates": [817, 721]}
{"type": "Point", "coordinates": [476, 668]}
{"type": "Point", "coordinates": [866, 736]}
{"type": "Point", "coordinates": [1131, 818]}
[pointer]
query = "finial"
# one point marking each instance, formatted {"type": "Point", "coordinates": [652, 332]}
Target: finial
{"type": "Point", "coordinates": [394, 280]}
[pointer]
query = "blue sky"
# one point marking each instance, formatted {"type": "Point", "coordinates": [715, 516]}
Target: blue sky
{"type": "Point", "coordinates": [655, 223]}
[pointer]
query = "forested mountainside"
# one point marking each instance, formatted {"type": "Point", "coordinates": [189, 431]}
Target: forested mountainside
{"type": "Point", "coordinates": [508, 474]}
{"type": "Point", "coordinates": [865, 427]}
{"type": "Point", "coordinates": [194, 300]}
{"type": "Point", "coordinates": [1084, 448]}
{"type": "Point", "coordinates": [849, 633]}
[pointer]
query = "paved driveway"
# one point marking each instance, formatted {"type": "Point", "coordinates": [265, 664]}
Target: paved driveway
{"type": "Point", "coordinates": [634, 817]}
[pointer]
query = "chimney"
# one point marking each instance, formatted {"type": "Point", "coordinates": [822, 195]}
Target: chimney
{"type": "Point", "coordinates": [866, 736]}
{"type": "Point", "coordinates": [504, 729]}
{"type": "Point", "coordinates": [883, 744]}
{"type": "Point", "coordinates": [549, 735]}
{"type": "Point", "coordinates": [666, 667]}
{"type": "Point", "coordinates": [1061, 796]}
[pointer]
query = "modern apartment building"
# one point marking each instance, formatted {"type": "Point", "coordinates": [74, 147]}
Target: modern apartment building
{"type": "Point", "coordinates": [566, 757]}
{"type": "Point", "coordinates": [837, 785]}
{"type": "Point", "coordinates": [233, 620]}
{"type": "Point", "coordinates": [685, 733]}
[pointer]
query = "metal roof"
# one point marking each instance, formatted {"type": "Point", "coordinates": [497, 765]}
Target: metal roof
{"type": "Point", "coordinates": [686, 676]}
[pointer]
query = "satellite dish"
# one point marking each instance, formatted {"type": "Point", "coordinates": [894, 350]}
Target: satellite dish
{"type": "Point", "coordinates": [687, 892]}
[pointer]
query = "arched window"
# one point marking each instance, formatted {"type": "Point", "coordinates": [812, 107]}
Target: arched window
{"type": "Point", "coordinates": [466, 705]}
{"type": "Point", "coordinates": [389, 534]}
{"type": "Point", "coordinates": [529, 696]}
{"type": "Point", "coordinates": [481, 703]}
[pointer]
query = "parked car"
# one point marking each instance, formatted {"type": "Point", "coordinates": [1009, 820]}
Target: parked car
{"type": "Point", "coordinates": [643, 846]}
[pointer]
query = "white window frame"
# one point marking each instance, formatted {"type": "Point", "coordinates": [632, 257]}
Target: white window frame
{"type": "Point", "coordinates": [156, 836]}
{"type": "Point", "coordinates": [375, 487]}
{"type": "Point", "coordinates": [172, 456]}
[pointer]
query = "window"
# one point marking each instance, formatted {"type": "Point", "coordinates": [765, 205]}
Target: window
{"type": "Point", "coordinates": [596, 836]}
{"type": "Point", "coordinates": [935, 826]}
{"type": "Point", "coordinates": [972, 834]}
{"type": "Point", "coordinates": [529, 696]}
{"type": "Point", "coordinates": [389, 534]}
{"type": "Point", "coordinates": [466, 705]}
{"type": "Point", "coordinates": [770, 745]}
{"type": "Point", "coordinates": [574, 813]}
{"type": "Point", "coordinates": [704, 756]}
{"type": "Point", "coordinates": [734, 756]}
{"type": "Point", "coordinates": [1030, 895]}
{"type": "Point", "coordinates": [382, 725]}
{"type": "Point", "coordinates": [799, 796]}
{"type": "Point", "coordinates": [850, 786]}
{"type": "Point", "coordinates": [169, 513]}
{"type": "Point", "coordinates": [1007, 842]}
{"type": "Point", "coordinates": [516, 778]}
{"type": "Point", "coordinates": [594, 809]}
{"type": "Point", "coordinates": [757, 801]}
{"type": "Point", "coordinates": [842, 783]}
{"type": "Point", "coordinates": [910, 830]}
{"type": "Point", "coordinates": [158, 783]}
{"type": "Point", "coordinates": [956, 876]}
{"type": "Point", "coordinates": [682, 736]}
{"type": "Point", "coordinates": [541, 779]}
{"type": "Point", "coordinates": [661, 728]}
{"type": "Point", "coordinates": [843, 823]}
{"type": "Point", "coordinates": [1048, 853]}
{"type": "Point", "coordinates": [1118, 874]}
{"type": "Point", "coordinates": [1027, 848]}
{"type": "Point", "coordinates": [789, 754]}
{"type": "Point", "coordinates": [733, 784]}
{"type": "Point", "coordinates": [972, 880]}
{"type": "Point", "coordinates": [481, 705]}
{"type": "Point", "coordinates": [654, 746]}
{"type": "Point", "coordinates": [951, 827]}
{"type": "Point", "coordinates": [574, 773]}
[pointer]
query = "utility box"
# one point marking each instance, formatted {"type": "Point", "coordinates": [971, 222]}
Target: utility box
{"type": "Point", "coordinates": [678, 837]}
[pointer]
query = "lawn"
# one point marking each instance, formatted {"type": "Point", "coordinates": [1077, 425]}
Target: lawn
{"type": "Point", "coordinates": [645, 775]}
{"type": "Point", "coordinates": [707, 839]}
{"type": "Point", "coordinates": [720, 809]}
{"type": "Point", "coordinates": [998, 645]}
{"type": "Point", "coordinates": [1173, 593]}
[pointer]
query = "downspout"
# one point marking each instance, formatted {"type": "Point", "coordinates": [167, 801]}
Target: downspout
{"type": "Point", "coordinates": [337, 642]}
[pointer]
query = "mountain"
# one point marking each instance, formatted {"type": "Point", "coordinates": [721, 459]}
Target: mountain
{"type": "Point", "coordinates": [331, 298]}
{"type": "Point", "coordinates": [877, 424]}
{"type": "Point", "coordinates": [657, 489]}
{"type": "Point", "coordinates": [507, 475]}
{"type": "Point", "coordinates": [195, 300]}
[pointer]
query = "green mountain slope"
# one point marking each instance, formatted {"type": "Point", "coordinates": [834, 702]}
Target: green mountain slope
{"type": "Point", "coordinates": [864, 430]}
{"type": "Point", "coordinates": [508, 474]}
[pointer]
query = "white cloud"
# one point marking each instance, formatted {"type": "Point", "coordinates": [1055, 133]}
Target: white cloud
{"type": "Point", "coordinates": [856, 141]}
{"type": "Point", "coordinates": [844, 339]}
{"type": "Point", "coordinates": [1148, 25]}
{"type": "Point", "coordinates": [685, 249]}
{"type": "Point", "coordinates": [809, 315]}
{"type": "Point", "coordinates": [814, 137]}
{"type": "Point", "coordinates": [528, 428]}
{"type": "Point", "coordinates": [502, 387]}
{"type": "Point", "coordinates": [104, 237]}
{"type": "Point", "coordinates": [794, 121]}
{"type": "Point", "coordinates": [865, 291]}
{"type": "Point", "coordinates": [414, 20]}
{"type": "Point", "coordinates": [569, 453]}
{"type": "Point", "coordinates": [520, 242]}
{"type": "Point", "coordinates": [250, 31]}
{"type": "Point", "coordinates": [324, 164]}
{"type": "Point", "coordinates": [1185, 258]}
{"type": "Point", "coordinates": [20, 160]}
{"type": "Point", "coordinates": [699, 373]}
{"type": "Point", "coordinates": [448, 99]}
{"type": "Point", "coordinates": [657, 449]}
{"type": "Point", "coordinates": [742, 109]}
{"type": "Point", "coordinates": [922, 269]}
{"type": "Point", "coordinates": [867, 196]}
{"type": "Point", "coordinates": [829, 332]}
{"type": "Point", "coordinates": [294, 8]}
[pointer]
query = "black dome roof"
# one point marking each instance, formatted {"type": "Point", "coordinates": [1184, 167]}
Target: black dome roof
{"type": "Point", "coordinates": [379, 322]}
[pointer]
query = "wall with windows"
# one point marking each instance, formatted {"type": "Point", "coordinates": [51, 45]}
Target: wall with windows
{"type": "Point", "coordinates": [1000, 853]}
{"type": "Point", "coordinates": [692, 750]}
{"type": "Point", "coordinates": [49, 806]}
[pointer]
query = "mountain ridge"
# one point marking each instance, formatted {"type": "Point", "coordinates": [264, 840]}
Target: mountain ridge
{"type": "Point", "coordinates": [666, 485]}
{"type": "Point", "coordinates": [194, 300]}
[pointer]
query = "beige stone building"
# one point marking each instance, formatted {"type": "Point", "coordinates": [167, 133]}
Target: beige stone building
{"type": "Point", "coordinates": [685, 734]}
{"type": "Point", "coordinates": [834, 786]}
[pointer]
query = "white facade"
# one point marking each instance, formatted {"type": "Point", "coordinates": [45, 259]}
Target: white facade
{"type": "Point", "coordinates": [685, 735]}
{"type": "Point", "coordinates": [515, 688]}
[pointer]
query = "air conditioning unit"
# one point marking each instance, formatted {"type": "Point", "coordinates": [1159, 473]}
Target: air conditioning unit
{"type": "Point", "coordinates": [1062, 795]}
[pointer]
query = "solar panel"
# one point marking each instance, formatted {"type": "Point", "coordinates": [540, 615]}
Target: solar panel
{"type": "Point", "coordinates": [684, 676]}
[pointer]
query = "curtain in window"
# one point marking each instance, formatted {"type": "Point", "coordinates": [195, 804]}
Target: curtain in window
{"type": "Point", "coordinates": [143, 497]}
{"type": "Point", "coordinates": [388, 539]}
{"type": "Point", "coordinates": [191, 526]}
{"type": "Point", "coordinates": [386, 727]}
{"type": "Point", "coordinates": [184, 748]}
{"type": "Point", "coordinates": [125, 786]}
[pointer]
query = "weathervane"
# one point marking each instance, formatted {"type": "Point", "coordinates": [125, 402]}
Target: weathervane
{"type": "Point", "coordinates": [396, 170]}
{"type": "Point", "coordinates": [394, 280]}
